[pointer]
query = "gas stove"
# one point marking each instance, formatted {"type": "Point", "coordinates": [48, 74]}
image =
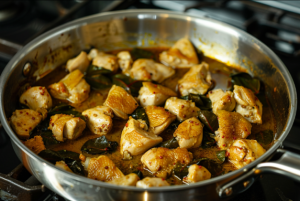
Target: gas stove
{"type": "Point", "coordinates": [275, 23]}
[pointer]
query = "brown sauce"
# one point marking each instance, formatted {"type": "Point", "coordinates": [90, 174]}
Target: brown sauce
{"type": "Point", "coordinates": [127, 166]}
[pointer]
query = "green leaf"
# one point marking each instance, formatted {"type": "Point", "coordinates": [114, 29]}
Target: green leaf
{"type": "Point", "coordinates": [95, 70]}
{"type": "Point", "coordinates": [201, 101]}
{"type": "Point", "coordinates": [170, 144]}
{"type": "Point", "coordinates": [140, 113]}
{"type": "Point", "coordinates": [64, 154]}
{"type": "Point", "coordinates": [120, 83]}
{"type": "Point", "coordinates": [245, 80]}
{"type": "Point", "coordinates": [98, 81]}
{"type": "Point", "coordinates": [99, 145]}
{"type": "Point", "coordinates": [212, 166]}
{"type": "Point", "coordinates": [264, 137]}
{"type": "Point", "coordinates": [126, 79]}
{"type": "Point", "coordinates": [208, 140]}
{"type": "Point", "coordinates": [180, 171]}
{"type": "Point", "coordinates": [50, 155]}
{"type": "Point", "coordinates": [65, 109]}
{"type": "Point", "coordinates": [75, 166]}
{"type": "Point", "coordinates": [48, 138]}
{"type": "Point", "coordinates": [138, 53]}
{"type": "Point", "coordinates": [135, 87]}
{"type": "Point", "coordinates": [221, 155]}
{"type": "Point", "coordinates": [139, 173]}
{"type": "Point", "coordinates": [209, 119]}
{"type": "Point", "coordinates": [174, 125]}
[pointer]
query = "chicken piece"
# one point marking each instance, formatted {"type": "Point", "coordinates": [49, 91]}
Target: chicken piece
{"type": "Point", "coordinates": [181, 55]}
{"type": "Point", "coordinates": [66, 126]}
{"type": "Point", "coordinates": [99, 119]}
{"type": "Point", "coordinates": [154, 94]}
{"type": "Point", "coordinates": [35, 144]}
{"type": "Point", "coordinates": [183, 109]}
{"type": "Point", "coordinates": [196, 81]}
{"type": "Point", "coordinates": [63, 165]}
{"type": "Point", "coordinates": [121, 102]}
{"type": "Point", "coordinates": [147, 69]}
{"type": "Point", "coordinates": [161, 161]}
{"type": "Point", "coordinates": [152, 182]}
{"type": "Point", "coordinates": [248, 104]}
{"type": "Point", "coordinates": [36, 97]}
{"type": "Point", "coordinates": [221, 100]}
{"type": "Point", "coordinates": [189, 133]}
{"type": "Point", "coordinates": [24, 121]}
{"type": "Point", "coordinates": [197, 173]}
{"type": "Point", "coordinates": [125, 61]}
{"type": "Point", "coordinates": [242, 152]}
{"type": "Point", "coordinates": [102, 169]}
{"type": "Point", "coordinates": [72, 88]}
{"type": "Point", "coordinates": [128, 180]}
{"type": "Point", "coordinates": [159, 119]}
{"type": "Point", "coordinates": [232, 126]}
{"type": "Point", "coordinates": [43, 112]}
{"type": "Point", "coordinates": [107, 61]}
{"type": "Point", "coordinates": [93, 53]}
{"type": "Point", "coordinates": [81, 62]}
{"type": "Point", "coordinates": [135, 139]}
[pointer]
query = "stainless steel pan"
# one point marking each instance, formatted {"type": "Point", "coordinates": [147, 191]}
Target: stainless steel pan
{"type": "Point", "coordinates": [115, 30]}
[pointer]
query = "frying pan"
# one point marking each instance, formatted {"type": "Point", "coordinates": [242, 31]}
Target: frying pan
{"type": "Point", "coordinates": [152, 28]}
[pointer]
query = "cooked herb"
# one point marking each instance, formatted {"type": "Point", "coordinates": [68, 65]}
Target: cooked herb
{"type": "Point", "coordinates": [129, 84]}
{"type": "Point", "coordinates": [140, 113]}
{"type": "Point", "coordinates": [209, 119]}
{"type": "Point", "coordinates": [120, 83]}
{"type": "Point", "coordinates": [208, 140]}
{"type": "Point", "coordinates": [170, 144]}
{"type": "Point", "coordinates": [99, 145]}
{"type": "Point", "coordinates": [174, 125]}
{"type": "Point", "coordinates": [98, 81]}
{"type": "Point", "coordinates": [201, 101]}
{"type": "Point", "coordinates": [75, 166]}
{"type": "Point", "coordinates": [65, 109]}
{"type": "Point", "coordinates": [245, 80]}
{"type": "Point", "coordinates": [221, 155]}
{"type": "Point", "coordinates": [135, 87]}
{"type": "Point", "coordinates": [95, 70]}
{"type": "Point", "coordinates": [139, 173]}
{"type": "Point", "coordinates": [138, 53]}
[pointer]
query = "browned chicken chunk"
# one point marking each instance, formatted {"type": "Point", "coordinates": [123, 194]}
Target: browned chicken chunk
{"type": "Point", "coordinates": [135, 139]}
{"type": "Point", "coordinates": [197, 173]}
{"type": "Point", "coordinates": [81, 62]}
{"type": "Point", "coordinates": [152, 182]}
{"type": "Point", "coordinates": [99, 119]}
{"type": "Point", "coordinates": [72, 88]}
{"type": "Point", "coordinates": [128, 180]}
{"type": "Point", "coordinates": [102, 169]}
{"type": "Point", "coordinates": [189, 133]}
{"type": "Point", "coordinates": [107, 61]}
{"type": "Point", "coordinates": [183, 109]}
{"type": "Point", "coordinates": [146, 69]}
{"type": "Point", "coordinates": [125, 61]}
{"type": "Point", "coordinates": [242, 152]}
{"type": "Point", "coordinates": [36, 97]}
{"type": "Point", "coordinates": [35, 144]}
{"type": "Point", "coordinates": [24, 121]}
{"type": "Point", "coordinates": [196, 81]}
{"type": "Point", "coordinates": [154, 94]}
{"type": "Point", "coordinates": [181, 55]}
{"type": "Point", "coordinates": [221, 100]}
{"type": "Point", "coordinates": [121, 102]}
{"type": "Point", "coordinates": [63, 165]}
{"type": "Point", "coordinates": [159, 119]}
{"type": "Point", "coordinates": [232, 126]}
{"type": "Point", "coordinates": [65, 126]}
{"type": "Point", "coordinates": [248, 104]}
{"type": "Point", "coordinates": [161, 161]}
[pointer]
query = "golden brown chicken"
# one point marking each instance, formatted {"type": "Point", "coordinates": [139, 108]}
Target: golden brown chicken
{"type": "Point", "coordinates": [161, 161]}
{"type": "Point", "coordinates": [154, 94]}
{"type": "Point", "coordinates": [81, 62]}
{"type": "Point", "coordinates": [181, 55]}
{"type": "Point", "coordinates": [221, 100]}
{"type": "Point", "coordinates": [196, 81]}
{"type": "Point", "coordinates": [102, 169]}
{"type": "Point", "coordinates": [125, 61]}
{"type": "Point", "coordinates": [128, 180]}
{"type": "Point", "coordinates": [189, 133]}
{"type": "Point", "coordinates": [36, 97]}
{"type": "Point", "coordinates": [121, 102]}
{"type": "Point", "coordinates": [152, 182]}
{"type": "Point", "coordinates": [66, 126]}
{"type": "Point", "coordinates": [232, 126]}
{"type": "Point", "coordinates": [242, 152]}
{"type": "Point", "coordinates": [62, 165]}
{"type": "Point", "coordinates": [183, 109]}
{"type": "Point", "coordinates": [99, 119]}
{"type": "Point", "coordinates": [24, 121]}
{"type": "Point", "coordinates": [107, 61]}
{"type": "Point", "coordinates": [135, 139]}
{"type": "Point", "coordinates": [197, 173]}
{"type": "Point", "coordinates": [248, 104]}
{"type": "Point", "coordinates": [72, 88]}
{"type": "Point", "coordinates": [159, 119]}
{"type": "Point", "coordinates": [35, 144]}
{"type": "Point", "coordinates": [146, 69]}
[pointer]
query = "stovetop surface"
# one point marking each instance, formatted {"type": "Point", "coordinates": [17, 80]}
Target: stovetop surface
{"type": "Point", "coordinates": [277, 28]}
